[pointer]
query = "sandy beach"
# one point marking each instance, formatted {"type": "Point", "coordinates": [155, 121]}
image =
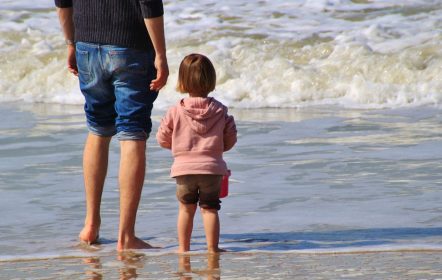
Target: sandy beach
{"type": "Point", "coordinates": [379, 265]}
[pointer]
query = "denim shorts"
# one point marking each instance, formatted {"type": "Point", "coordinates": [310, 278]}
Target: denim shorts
{"type": "Point", "coordinates": [115, 83]}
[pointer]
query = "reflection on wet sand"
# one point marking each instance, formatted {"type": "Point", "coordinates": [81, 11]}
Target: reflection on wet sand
{"type": "Point", "coordinates": [235, 265]}
{"type": "Point", "coordinates": [132, 265]}
{"type": "Point", "coordinates": [131, 262]}
{"type": "Point", "coordinates": [93, 268]}
{"type": "Point", "coordinates": [186, 272]}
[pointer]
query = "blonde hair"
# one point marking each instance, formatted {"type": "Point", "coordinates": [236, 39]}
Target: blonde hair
{"type": "Point", "coordinates": [196, 75]}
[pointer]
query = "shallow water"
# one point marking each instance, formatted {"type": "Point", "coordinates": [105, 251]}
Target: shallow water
{"type": "Point", "coordinates": [305, 181]}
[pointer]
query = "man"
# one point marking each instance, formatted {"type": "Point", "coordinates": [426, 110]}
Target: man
{"type": "Point", "coordinates": [117, 49]}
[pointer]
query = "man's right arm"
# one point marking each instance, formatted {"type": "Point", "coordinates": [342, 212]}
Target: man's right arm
{"type": "Point", "coordinates": [65, 16]}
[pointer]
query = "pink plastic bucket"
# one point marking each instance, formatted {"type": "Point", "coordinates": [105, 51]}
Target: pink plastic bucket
{"type": "Point", "coordinates": [225, 185]}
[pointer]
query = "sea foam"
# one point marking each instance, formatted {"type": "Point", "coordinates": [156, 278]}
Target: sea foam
{"type": "Point", "coordinates": [359, 54]}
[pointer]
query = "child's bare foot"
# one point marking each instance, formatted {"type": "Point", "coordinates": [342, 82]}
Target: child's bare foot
{"type": "Point", "coordinates": [215, 250]}
{"type": "Point", "coordinates": [134, 244]}
{"type": "Point", "coordinates": [182, 250]}
{"type": "Point", "coordinates": [89, 235]}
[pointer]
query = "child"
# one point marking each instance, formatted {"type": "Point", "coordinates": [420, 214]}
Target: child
{"type": "Point", "coordinates": [198, 131]}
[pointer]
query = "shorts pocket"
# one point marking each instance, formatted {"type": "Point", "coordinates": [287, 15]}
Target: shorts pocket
{"type": "Point", "coordinates": [83, 65]}
{"type": "Point", "coordinates": [131, 61]}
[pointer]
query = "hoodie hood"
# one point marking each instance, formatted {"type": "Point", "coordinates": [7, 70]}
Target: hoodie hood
{"type": "Point", "coordinates": [201, 113]}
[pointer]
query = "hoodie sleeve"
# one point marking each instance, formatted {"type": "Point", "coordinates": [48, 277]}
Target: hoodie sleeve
{"type": "Point", "coordinates": [229, 133]}
{"type": "Point", "coordinates": [164, 134]}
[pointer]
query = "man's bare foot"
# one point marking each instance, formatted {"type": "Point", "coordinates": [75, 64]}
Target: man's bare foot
{"type": "Point", "coordinates": [89, 235]}
{"type": "Point", "coordinates": [134, 244]}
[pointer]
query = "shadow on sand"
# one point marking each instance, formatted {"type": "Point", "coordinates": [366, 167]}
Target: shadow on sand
{"type": "Point", "coordinates": [326, 240]}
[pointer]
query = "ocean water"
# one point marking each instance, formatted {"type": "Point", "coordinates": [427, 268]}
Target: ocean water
{"type": "Point", "coordinates": [337, 169]}
{"type": "Point", "coordinates": [316, 193]}
{"type": "Point", "coordinates": [352, 53]}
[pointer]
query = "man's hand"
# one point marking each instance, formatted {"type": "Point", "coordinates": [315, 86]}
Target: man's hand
{"type": "Point", "coordinates": [155, 27]}
{"type": "Point", "coordinates": [67, 24]}
{"type": "Point", "coordinates": [72, 61]}
{"type": "Point", "coordinates": [162, 73]}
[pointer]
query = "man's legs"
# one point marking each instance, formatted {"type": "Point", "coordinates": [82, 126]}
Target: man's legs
{"type": "Point", "coordinates": [131, 73]}
{"type": "Point", "coordinates": [131, 178]}
{"type": "Point", "coordinates": [95, 161]}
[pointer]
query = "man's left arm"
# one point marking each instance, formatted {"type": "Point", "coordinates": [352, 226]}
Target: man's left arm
{"type": "Point", "coordinates": [153, 18]}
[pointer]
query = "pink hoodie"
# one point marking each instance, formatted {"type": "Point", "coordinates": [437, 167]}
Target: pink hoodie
{"type": "Point", "coordinates": [198, 131]}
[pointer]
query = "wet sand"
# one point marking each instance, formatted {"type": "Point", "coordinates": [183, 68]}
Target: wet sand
{"type": "Point", "coordinates": [373, 265]}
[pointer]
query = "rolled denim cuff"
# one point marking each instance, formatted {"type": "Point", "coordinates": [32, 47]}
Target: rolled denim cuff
{"type": "Point", "coordinates": [132, 135]}
{"type": "Point", "coordinates": [108, 131]}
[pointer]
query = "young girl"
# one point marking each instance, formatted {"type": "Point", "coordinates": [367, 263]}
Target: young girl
{"type": "Point", "coordinates": [198, 131]}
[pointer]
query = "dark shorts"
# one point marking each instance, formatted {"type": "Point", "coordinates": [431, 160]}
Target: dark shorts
{"type": "Point", "coordinates": [115, 83]}
{"type": "Point", "coordinates": [203, 188]}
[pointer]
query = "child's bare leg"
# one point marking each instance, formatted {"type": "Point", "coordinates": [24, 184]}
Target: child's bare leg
{"type": "Point", "coordinates": [185, 226]}
{"type": "Point", "coordinates": [211, 227]}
